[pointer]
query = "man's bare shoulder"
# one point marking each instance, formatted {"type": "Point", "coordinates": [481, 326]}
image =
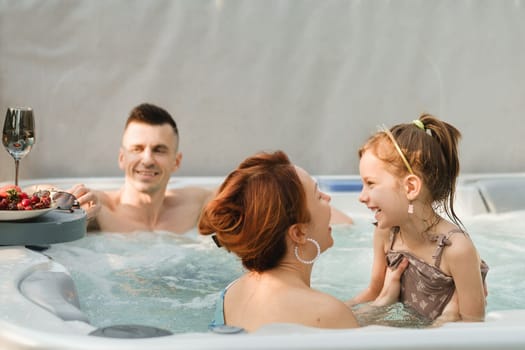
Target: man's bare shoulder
{"type": "Point", "coordinates": [193, 190]}
{"type": "Point", "coordinates": [109, 199]}
{"type": "Point", "coordinates": [189, 195]}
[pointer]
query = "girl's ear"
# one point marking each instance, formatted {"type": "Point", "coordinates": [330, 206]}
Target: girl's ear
{"type": "Point", "coordinates": [413, 186]}
{"type": "Point", "coordinates": [297, 234]}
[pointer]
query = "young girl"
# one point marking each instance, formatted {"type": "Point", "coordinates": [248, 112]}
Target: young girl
{"type": "Point", "coordinates": [409, 174]}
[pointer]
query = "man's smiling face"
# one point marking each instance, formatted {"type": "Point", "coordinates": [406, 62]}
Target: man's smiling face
{"type": "Point", "coordinates": [149, 156]}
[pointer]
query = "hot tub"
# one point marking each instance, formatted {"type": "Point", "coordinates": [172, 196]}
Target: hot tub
{"type": "Point", "coordinates": [40, 306]}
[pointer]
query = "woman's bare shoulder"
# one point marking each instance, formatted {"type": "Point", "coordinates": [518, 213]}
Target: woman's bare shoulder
{"type": "Point", "coordinates": [326, 301]}
{"type": "Point", "coordinates": [332, 312]}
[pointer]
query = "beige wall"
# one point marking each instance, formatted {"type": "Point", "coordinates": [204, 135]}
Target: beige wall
{"type": "Point", "coordinates": [314, 78]}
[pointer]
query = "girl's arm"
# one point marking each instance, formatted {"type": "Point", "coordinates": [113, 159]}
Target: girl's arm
{"type": "Point", "coordinates": [464, 264]}
{"type": "Point", "coordinates": [377, 278]}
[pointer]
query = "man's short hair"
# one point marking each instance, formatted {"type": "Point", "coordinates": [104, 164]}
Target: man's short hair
{"type": "Point", "coordinates": [153, 115]}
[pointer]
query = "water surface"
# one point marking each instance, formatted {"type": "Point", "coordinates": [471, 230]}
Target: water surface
{"type": "Point", "coordinates": [172, 281]}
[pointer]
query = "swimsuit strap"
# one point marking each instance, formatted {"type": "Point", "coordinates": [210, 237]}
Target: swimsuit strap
{"type": "Point", "coordinates": [219, 319]}
{"type": "Point", "coordinates": [442, 241]}
{"type": "Point", "coordinates": [393, 233]}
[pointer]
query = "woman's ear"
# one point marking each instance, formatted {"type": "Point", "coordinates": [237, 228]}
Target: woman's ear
{"type": "Point", "coordinates": [413, 186]}
{"type": "Point", "coordinates": [297, 234]}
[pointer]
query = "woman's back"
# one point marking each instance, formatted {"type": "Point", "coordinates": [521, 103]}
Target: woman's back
{"type": "Point", "coordinates": [257, 299]}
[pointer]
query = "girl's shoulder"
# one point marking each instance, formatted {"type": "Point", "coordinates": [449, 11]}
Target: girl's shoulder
{"type": "Point", "coordinates": [459, 246]}
{"type": "Point", "coordinates": [455, 236]}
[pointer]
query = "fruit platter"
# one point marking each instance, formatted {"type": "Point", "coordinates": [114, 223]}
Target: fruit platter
{"type": "Point", "coordinates": [16, 204]}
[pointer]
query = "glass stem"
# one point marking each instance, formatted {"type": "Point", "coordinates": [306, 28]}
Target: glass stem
{"type": "Point", "coordinates": [16, 171]}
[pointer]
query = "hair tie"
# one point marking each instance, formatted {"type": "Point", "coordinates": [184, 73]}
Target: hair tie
{"type": "Point", "coordinates": [419, 124]}
{"type": "Point", "coordinates": [216, 240]}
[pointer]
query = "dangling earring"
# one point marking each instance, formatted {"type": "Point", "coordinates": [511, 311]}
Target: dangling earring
{"type": "Point", "coordinates": [410, 208]}
{"type": "Point", "coordinates": [308, 262]}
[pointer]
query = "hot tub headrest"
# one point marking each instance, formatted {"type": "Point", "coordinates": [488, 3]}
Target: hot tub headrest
{"type": "Point", "coordinates": [54, 291]}
{"type": "Point", "coordinates": [503, 194]}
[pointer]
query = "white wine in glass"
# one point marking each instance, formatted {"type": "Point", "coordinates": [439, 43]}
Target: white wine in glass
{"type": "Point", "coordinates": [18, 136]}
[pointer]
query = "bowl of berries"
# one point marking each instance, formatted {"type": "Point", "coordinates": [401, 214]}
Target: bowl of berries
{"type": "Point", "coordinates": [16, 204]}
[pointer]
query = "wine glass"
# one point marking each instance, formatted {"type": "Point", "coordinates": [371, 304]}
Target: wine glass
{"type": "Point", "coordinates": [18, 136]}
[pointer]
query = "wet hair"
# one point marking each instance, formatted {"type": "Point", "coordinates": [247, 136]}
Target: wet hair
{"type": "Point", "coordinates": [152, 115]}
{"type": "Point", "coordinates": [432, 153]}
{"type": "Point", "coordinates": [254, 208]}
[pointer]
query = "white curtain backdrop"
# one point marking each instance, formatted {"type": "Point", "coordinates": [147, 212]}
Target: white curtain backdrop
{"type": "Point", "coordinates": [311, 77]}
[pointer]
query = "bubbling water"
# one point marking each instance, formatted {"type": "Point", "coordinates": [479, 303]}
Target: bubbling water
{"type": "Point", "coordinates": [173, 281]}
{"type": "Point", "coordinates": [155, 279]}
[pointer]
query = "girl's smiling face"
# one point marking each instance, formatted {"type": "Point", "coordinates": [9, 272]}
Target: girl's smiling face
{"type": "Point", "coordinates": [382, 191]}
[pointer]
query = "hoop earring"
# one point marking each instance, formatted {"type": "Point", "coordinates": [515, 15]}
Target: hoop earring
{"type": "Point", "coordinates": [411, 208]}
{"type": "Point", "coordinates": [308, 262]}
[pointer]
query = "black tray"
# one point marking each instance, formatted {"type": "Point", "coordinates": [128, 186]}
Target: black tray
{"type": "Point", "coordinates": [57, 226]}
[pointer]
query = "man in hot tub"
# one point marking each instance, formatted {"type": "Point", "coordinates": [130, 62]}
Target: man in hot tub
{"type": "Point", "coordinates": [149, 155]}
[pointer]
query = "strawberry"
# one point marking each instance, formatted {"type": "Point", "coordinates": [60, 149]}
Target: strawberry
{"type": "Point", "coordinates": [22, 195]}
{"type": "Point", "coordinates": [12, 195]}
{"type": "Point", "coordinates": [6, 188]}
